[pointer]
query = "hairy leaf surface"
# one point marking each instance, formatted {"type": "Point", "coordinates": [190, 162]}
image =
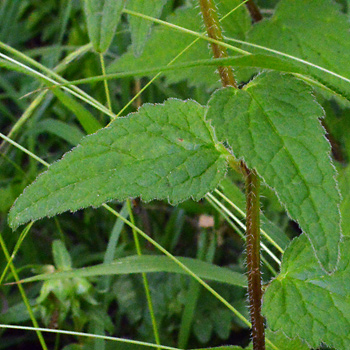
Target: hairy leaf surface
{"type": "Point", "coordinates": [102, 18]}
{"type": "Point", "coordinates": [273, 125]}
{"type": "Point", "coordinates": [140, 28]}
{"type": "Point", "coordinates": [303, 300]}
{"type": "Point", "coordinates": [166, 43]}
{"type": "Point", "coordinates": [315, 31]}
{"type": "Point", "coordinates": [163, 151]}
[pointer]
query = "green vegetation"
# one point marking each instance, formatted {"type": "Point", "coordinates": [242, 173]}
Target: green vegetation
{"type": "Point", "coordinates": [131, 177]}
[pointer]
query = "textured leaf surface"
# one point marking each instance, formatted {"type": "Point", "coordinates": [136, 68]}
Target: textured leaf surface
{"type": "Point", "coordinates": [102, 18]}
{"type": "Point", "coordinates": [166, 43]}
{"type": "Point", "coordinates": [305, 301]}
{"type": "Point", "coordinates": [344, 185]}
{"type": "Point", "coordinates": [162, 151]}
{"type": "Point", "coordinates": [282, 342]}
{"type": "Point", "coordinates": [278, 340]}
{"type": "Point", "coordinates": [151, 263]}
{"type": "Point", "coordinates": [273, 124]}
{"type": "Point", "coordinates": [315, 31]}
{"type": "Point", "coordinates": [140, 28]}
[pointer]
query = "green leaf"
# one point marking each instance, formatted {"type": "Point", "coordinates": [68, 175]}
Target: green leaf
{"type": "Point", "coordinates": [163, 151]}
{"type": "Point", "coordinates": [281, 341]}
{"type": "Point", "coordinates": [147, 264]}
{"type": "Point", "coordinates": [315, 31]}
{"type": "Point", "coordinates": [166, 43]}
{"type": "Point", "coordinates": [67, 132]}
{"type": "Point", "coordinates": [273, 125]}
{"type": "Point", "coordinates": [304, 301]}
{"type": "Point", "coordinates": [85, 118]}
{"type": "Point", "coordinates": [140, 28]}
{"type": "Point", "coordinates": [202, 329]}
{"type": "Point", "coordinates": [229, 347]}
{"type": "Point", "coordinates": [61, 256]}
{"type": "Point", "coordinates": [344, 185]}
{"type": "Point", "coordinates": [102, 18]}
{"type": "Point", "coordinates": [18, 313]}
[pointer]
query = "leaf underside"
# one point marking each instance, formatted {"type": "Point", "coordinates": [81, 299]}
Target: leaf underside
{"type": "Point", "coordinates": [273, 125]}
{"type": "Point", "coordinates": [161, 152]}
{"type": "Point", "coordinates": [307, 302]}
{"type": "Point", "coordinates": [166, 43]}
{"type": "Point", "coordinates": [315, 31]}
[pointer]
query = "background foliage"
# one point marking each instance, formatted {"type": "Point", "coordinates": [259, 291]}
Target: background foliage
{"type": "Point", "coordinates": [49, 123]}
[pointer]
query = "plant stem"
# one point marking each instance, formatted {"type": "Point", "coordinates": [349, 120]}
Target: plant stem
{"type": "Point", "coordinates": [144, 277]}
{"type": "Point", "coordinates": [254, 11]}
{"type": "Point", "coordinates": [105, 82]}
{"type": "Point", "coordinates": [212, 25]}
{"type": "Point", "coordinates": [253, 259]}
{"type": "Point", "coordinates": [23, 293]}
{"type": "Point", "coordinates": [252, 191]}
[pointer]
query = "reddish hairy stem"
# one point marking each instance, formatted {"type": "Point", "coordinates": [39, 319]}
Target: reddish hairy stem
{"type": "Point", "coordinates": [212, 25]}
{"type": "Point", "coordinates": [252, 191]}
{"type": "Point", "coordinates": [253, 259]}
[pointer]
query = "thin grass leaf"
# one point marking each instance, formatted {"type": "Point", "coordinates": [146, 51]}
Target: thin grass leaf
{"type": "Point", "coordinates": [150, 264]}
{"type": "Point", "coordinates": [272, 230]}
{"type": "Point", "coordinates": [51, 73]}
{"type": "Point", "coordinates": [247, 61]}
{"type": "Point", "coordinates": [157, 53]}
{"type": "Point", "coordinates": [143, 345]}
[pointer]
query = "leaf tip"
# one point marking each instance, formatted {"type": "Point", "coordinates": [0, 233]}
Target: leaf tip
{"type": "Point", "coordinates": [13, 220]}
